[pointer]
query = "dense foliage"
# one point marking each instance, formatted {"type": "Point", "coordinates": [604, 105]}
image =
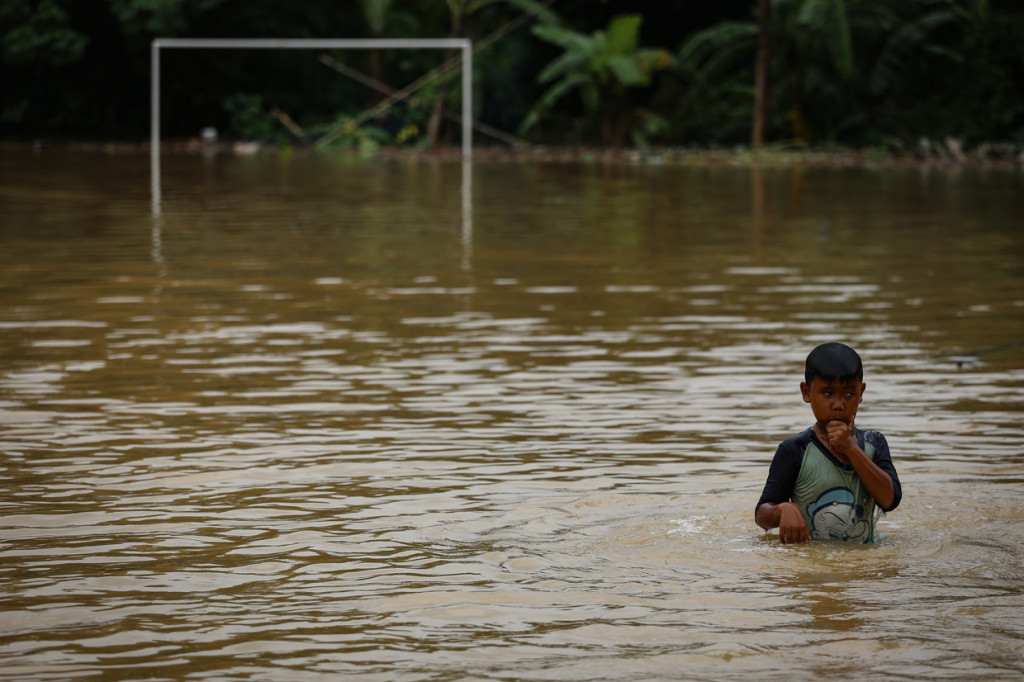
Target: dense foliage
{"type": "Point", "coordinates": [675, 72]}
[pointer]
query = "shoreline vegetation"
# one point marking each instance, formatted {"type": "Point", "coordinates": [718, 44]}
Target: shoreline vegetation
{"type": "Point", "coordinates": [853, 81]}
{"type": "Point", "coordinates": [931, 153]}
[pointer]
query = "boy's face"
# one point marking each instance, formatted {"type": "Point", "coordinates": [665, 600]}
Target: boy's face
{"type": "Point", "coordinates": [833, 399]}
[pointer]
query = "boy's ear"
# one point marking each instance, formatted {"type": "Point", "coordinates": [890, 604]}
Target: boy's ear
{"type": "Point", "coordinates": [805, 391]}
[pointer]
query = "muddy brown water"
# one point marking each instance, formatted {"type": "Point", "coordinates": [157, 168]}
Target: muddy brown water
{"type": "Point", "coordinates": [304, 417]}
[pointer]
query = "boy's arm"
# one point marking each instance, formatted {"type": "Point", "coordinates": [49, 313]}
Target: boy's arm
{"type": "Point", "coordinates": [843, 439]}
{"type": "Point", "coordinates": [774, 510]}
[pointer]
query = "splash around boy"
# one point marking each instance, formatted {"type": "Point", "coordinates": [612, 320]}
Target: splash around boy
{"type": "Point", "coordinates": [826, 482]}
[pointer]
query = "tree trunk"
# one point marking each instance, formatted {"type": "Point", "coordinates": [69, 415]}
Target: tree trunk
{"type": "Point", "coordinates": [761, 77]}
{"type": "Point", "coordinates": [377, 72]}
{"type": "Point", "coordinates": [436, 114]}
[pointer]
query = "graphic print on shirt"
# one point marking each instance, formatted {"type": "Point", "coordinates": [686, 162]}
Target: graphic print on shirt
{"type": "Point", "coordinates": [836, 515]}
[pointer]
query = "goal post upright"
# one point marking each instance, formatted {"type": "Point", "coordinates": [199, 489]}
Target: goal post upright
{"type": "Point", "coordinates": [467, 99]}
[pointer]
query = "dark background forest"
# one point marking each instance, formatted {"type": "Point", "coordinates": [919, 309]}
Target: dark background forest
{"type": "Point", "coordinates": [851, 73]}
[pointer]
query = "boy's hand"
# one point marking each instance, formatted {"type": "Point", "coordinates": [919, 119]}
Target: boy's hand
{"type": "Point", "coordinates": [841, 437]}
{"type": "Point", "coordinates": [792, 528]}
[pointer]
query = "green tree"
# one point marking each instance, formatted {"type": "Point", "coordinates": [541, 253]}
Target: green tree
{"type": "Point", "coordinates": [377, 13]}
{"type": "Point", "coordinates": [987, 101]}
{"type": "Point", "coordinates": [947, 68]}
{"type": "Point", "coordinates": [819, 84]}
{"type": "Point", "coordinates": [715, 98]}
{"type": "Point", "coordinates": [815, 85]}
{"type": "Point", "coordinates": [36, 38]}
{"type": "Point", "coordinates": [160, 17]}
{"type": "Point", "coordinates": [461, 12]}
{"type": "Point", "coordinates": [603, 67]}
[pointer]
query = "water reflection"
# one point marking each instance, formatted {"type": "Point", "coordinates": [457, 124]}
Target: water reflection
{"type": "Point", "coordinates": [156, 200]}
{"type": "Point", "coordinates": [379, 419]}
{"type": "Point", "coordinates": [467, 214]}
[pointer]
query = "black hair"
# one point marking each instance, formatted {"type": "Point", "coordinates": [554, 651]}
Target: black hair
{"type": "Point", "coordinates": [832, 361]}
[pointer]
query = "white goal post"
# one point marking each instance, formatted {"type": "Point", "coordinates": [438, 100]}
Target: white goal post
{"type": "Point", "coordinates": [463, 44]}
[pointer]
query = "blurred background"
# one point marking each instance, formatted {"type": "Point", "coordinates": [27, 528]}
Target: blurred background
{"type": "Point", "coordinates": [903, 76]}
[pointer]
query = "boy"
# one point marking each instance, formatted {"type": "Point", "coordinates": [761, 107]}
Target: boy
{"type": "Point", "coordinates": [825, 482]}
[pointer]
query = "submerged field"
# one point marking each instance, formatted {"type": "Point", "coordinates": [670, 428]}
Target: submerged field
{"type": "Point", "coordinates": [297, 415]}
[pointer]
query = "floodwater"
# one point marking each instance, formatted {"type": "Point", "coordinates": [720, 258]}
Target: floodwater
{"type": "Point", "coordinates": [306, 417]}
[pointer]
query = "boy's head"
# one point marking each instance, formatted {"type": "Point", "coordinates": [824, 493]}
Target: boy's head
{"type": "Point", "coordinates": [833, 383]}
{"type": "Point", "coordinates": [833, 361]}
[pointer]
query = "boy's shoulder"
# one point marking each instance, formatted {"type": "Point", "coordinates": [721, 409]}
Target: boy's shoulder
{"type": "Point", "coordinates": [874, 437]}
{"type": "Point", "coordinates": [798, 441]}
